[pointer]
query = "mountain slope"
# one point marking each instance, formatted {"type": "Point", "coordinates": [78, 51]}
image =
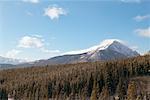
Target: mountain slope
{"type": "Point", "coordinates": [115, 50]}
{"type": "Point", "coordinates": [107, 50]}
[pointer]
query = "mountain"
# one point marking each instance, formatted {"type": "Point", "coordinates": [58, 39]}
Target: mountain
{"type": "Point", "coordinates": [6, 63]}
{"type": "Point", "coordinates": [4, 60]}
{"type": "Point", "coordinates": [6, 66]}
{"type": "Point", "coordinates": [108, 50]}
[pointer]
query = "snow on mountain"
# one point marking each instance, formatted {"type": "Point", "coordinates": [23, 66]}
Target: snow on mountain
{"type": "Point", "coordinates": [122, 48]}
{"type": "Point", "coordinates": [107, 50]}
{"type": "Point", "coordinates": [103, 45]}
{"type": "Point", "coordinates": [112, 49]}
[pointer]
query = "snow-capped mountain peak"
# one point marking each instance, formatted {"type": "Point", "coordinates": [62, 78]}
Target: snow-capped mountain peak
{"type": "Point", "coordinates": [103, 45]}
{"type": "Point", "coordinates": [122, 48]}
{"type": "Point", "coordinates": [106, 43]}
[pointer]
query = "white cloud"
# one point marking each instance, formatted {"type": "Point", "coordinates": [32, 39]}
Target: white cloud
{"type": "Point", "coordinates": [49, 51]}
{"type": "Point", "coordinates": [31, 42]}
{"type": "Point", "coordinates": [12, 53]}
{"type": "Point", "coordinates": [141, 18]}
{"type": "Point", "coordinates": [143, 32]}
{"type": "Point", "coordinates": [35, 41]}
{"type": "Point", "coordinates": [36, 44]}
{"type": "Point", "coordinates": [54, 12]}
{"type": "Point", "coordinates": [31, 1]}
{"type": "Point", "coordinates": [131, 1]}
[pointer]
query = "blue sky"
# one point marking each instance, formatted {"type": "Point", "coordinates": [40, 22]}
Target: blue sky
{"type": "Point", "coordinates": [37, 29]}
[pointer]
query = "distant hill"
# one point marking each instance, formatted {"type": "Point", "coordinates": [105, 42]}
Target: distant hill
{"type": "Point", "coordinates": [6, 63]}
{"type": "Point", "coordinates": [4, 60]}
{"type": "Point", "coordinates": [6, 66]}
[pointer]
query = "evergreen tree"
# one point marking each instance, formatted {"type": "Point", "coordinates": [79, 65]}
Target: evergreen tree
{"type": "Point", "coordinates": [131, 92]}
{"type": "Point", "coordinates": [90, 85]}
{"type": "Point", "coordinates": [121, 89]}
{"type": "Point", "coordinates": [3, 94]}
{"type": "Point", "coordinates": [109, 79]}
{"type": "Point", "coordinates": [94, 91]}
{"type": "Point", "coordinates": [104, 94]}
{"type": "Point", "coordinates": [101, 82]}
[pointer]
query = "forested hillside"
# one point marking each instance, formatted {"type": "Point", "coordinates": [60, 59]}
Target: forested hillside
{"type": "Point", "coordinates": [82, 81]}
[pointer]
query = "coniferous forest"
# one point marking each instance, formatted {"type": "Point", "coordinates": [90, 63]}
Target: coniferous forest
{"type": "Point", "coordinates": [109, 80]}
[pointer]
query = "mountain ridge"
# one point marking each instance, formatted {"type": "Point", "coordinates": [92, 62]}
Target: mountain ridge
{"type": "Point", "coordinates": [110, 49]}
